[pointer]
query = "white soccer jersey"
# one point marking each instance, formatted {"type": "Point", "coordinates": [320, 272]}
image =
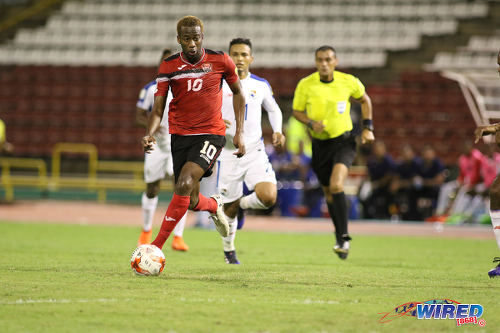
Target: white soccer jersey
{"type": "Point", "coordinates": [146, 101]}
{"type": "Point", "coordinates": [258, 94]}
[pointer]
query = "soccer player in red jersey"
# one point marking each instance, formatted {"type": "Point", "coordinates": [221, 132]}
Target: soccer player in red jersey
{"type": "Point", "coordinates": [195, 121]}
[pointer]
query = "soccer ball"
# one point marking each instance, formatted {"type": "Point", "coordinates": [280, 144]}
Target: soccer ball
{"type": "Point", "coordinates": [147, 260]}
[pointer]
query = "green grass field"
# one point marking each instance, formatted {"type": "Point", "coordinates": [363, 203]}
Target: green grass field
{"type": "Point", "coordinates": [71, 278]}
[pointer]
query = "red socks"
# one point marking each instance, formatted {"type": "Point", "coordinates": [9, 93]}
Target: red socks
{"type": "Point", "coordinates": [207, 204]}
{"type": "Point", "coordinates": [175, 211]}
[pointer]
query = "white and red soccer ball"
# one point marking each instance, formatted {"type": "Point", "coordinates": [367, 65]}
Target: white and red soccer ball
{"type": "Point", "coordinates": [147, 259]}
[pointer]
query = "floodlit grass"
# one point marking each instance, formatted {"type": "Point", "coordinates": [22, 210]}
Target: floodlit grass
{"type": "Point", "coordinates": [71, 278]}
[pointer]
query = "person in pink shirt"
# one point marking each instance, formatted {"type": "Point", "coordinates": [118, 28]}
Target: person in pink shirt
{"type": "Point", "coordinates": [478, 197]}
{"type": "Point", "coordinates": [469, 176]}
{"type": "Point", "coordinates": [489, 166]}
{"type": "Point", "coordinates": [495, 186]}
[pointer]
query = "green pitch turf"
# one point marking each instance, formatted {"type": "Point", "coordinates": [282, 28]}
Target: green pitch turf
{"type": "Point", "coordinates": [71, 278]}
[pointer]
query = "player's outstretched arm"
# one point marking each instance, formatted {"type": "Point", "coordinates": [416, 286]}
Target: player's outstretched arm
{"type": "Point", "coordinates": [366, 114]}
{"type": "Point", "coordinates": [154, 121]}
{"type": "Point", "coordinates": [275, 118]}
{"type": "Point", "coordinates": [486, 130]}
{"type": "Point", "coordinates": [239, 114]}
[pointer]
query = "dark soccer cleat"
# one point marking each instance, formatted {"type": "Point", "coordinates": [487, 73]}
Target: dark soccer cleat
{"type": "Point", "coordinates": [495, 271]}
{"type": "Point", "coordinates": [343, 251]}
{"type": "Point", "coordinates": [230, 257]}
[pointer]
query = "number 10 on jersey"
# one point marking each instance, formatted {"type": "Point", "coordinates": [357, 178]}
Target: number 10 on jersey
{"type": "Point", "coordinates": [195, 85]}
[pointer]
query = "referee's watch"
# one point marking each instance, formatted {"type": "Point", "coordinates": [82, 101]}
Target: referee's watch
{"type": "Point", "coordinates": [368, 124]}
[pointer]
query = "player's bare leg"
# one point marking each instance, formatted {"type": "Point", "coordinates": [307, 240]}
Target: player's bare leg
{"type": "Point", "coordinates": [495, 221]}
{"type": "Point", "coordinates": [186, 196]}
{"type": "Point", "coordinates": [337, 207]}
{"type": "Point", "coordinates": [189, 182]}
{"type": "Point", "coordinates": [149, 203]}
{"type": "Point", "coordinates": [263, 197]}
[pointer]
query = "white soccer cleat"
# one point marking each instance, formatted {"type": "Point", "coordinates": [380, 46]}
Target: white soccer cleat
{"type": "Point", "coordinates": [219, 217]}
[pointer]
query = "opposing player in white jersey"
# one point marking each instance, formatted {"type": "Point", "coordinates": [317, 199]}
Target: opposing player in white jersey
{"type": "Point", "coordinates": [253, 168]}
{"type": "Point", "coordinates": [156, 165]}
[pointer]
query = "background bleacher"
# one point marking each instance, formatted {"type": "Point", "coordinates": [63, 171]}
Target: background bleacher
{"type": "Point", "coordinates": [76, 77]}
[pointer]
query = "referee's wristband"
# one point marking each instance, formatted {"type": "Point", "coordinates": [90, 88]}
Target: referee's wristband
{"type": "Point", "coordinates": [310, 124]}
{"type": "Point", "coordinates": [367, 124]}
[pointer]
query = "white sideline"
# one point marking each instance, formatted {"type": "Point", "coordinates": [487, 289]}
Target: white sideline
{"type": "Point", "coordinates": [62, 301]}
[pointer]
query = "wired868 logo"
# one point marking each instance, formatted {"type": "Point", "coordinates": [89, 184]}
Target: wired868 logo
{"type": "Point", "coordinates": [438, 309]}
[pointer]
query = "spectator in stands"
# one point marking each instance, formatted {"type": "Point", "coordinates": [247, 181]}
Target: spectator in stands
{"type": "Point", "coordinates": [289, 171]}
{"type": "Point", "coordinates": [313, 194]}
{"type": "Point", "coordinates": [297, 135]}
{"type": "Point", "coordinates": [381, 170]}
{"type": "Point", "coordinates": [495, 186]}
{"type": "Point", "coordinates": [431, 171]}
{"type": "Point", "coordinates": [453, 195]}
{"type": "Point", "coordinates": [488, 170]}
{"type": "Point", "coordinates": [294, 173]}
{"type": "Point", "coordinates": [322, 101]}
{"type": "Point", "coordinates": [287, 166]}
{"type": "Point", "coordinates": [5, 146]}
{"type": "Point", "coordinates": [405, 179]}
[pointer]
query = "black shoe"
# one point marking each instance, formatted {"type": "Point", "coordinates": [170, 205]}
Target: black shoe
{"type": "Point", "coordinates": [343, 250]}
{"type": "Point", "coordinates": [230, 257]}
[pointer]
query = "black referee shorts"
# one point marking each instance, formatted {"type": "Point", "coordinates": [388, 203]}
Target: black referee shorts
{"type": "Point", "coordinates": [327, 153]}
{"type": "Point", "coordinates": [200, 149]}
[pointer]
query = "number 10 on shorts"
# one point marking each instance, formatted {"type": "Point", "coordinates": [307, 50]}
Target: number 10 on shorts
{"type": "Point", "coordinates": [208, 150]}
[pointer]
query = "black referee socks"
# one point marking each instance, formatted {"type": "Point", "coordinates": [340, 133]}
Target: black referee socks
{"type": "Point", "coordinates": [338, 212]}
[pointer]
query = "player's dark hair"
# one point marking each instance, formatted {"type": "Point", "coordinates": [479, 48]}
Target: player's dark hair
{"type": "Point", "coordinates": [189, 21]}
{"type": "Point", "coordinates": [325, 48]}
{"type": "Point", "coordinates": [166, 53]}
{"type": "Point", "coordinates": [241, 40]}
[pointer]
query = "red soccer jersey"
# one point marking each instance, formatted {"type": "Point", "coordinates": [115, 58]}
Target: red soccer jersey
{"type": "Point", "coordinates": [197, 91]}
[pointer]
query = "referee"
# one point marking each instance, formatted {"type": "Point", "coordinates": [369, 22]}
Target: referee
{"type": "Point", "coordinates": [322, 102]}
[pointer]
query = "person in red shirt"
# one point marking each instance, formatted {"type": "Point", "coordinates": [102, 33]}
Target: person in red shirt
{"type": "Point", "coordinates": [469, 177]}
{"type": "Point", "coordinates": [195, 122]}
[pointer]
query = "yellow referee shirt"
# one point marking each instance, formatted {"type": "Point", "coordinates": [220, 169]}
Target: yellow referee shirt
{"type": "Point", "coordinates": [2, 131]}
{"type": "Point", "coordinates": [328, 102]}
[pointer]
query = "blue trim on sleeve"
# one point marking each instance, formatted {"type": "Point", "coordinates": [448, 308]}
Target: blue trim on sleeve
{"type": "Point", "coordinates": [258, 78]}
{"type": "Point", "coordinates": [149, 84]}
{"type": "Point", "coordinates": [146, 88]}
